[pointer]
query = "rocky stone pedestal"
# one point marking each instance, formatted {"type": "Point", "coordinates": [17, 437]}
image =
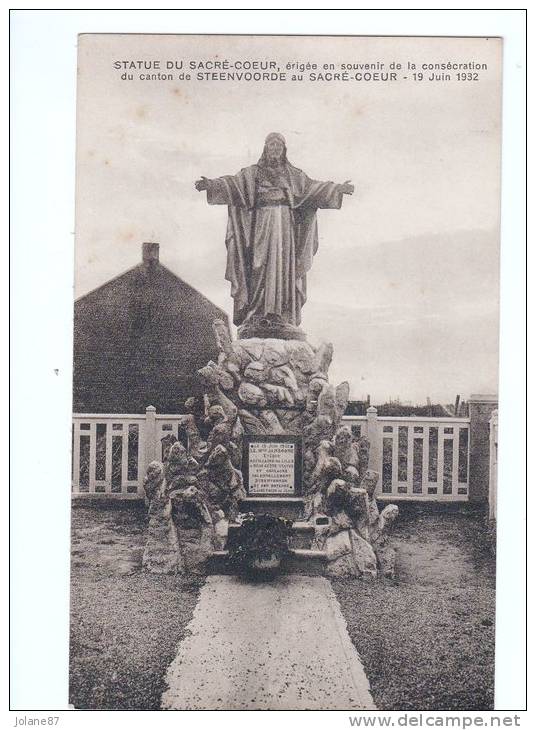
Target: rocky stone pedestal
{"type": "Point", "coordinates": [274, 386]}
{"type": "Point", "coordinates": [273, 383]}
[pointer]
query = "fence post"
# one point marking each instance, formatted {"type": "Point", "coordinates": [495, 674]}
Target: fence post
{"type": "Point", "coordinates": [150, 435]}
{"type": "Point", "coordinates": [493, 444]}
{"type": "Point", "coordinates": [480, 410]}
{"type": "Point", "coordinates": [375, 438]}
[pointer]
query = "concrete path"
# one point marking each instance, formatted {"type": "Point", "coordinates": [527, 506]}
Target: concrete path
{"type": "Point", "coordinates": [279, 645]}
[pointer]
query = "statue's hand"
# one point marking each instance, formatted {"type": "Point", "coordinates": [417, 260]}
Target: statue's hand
{"type": "Point", "coordinates": [347, 188]}
{"type": "Point", "coordinates": [202, 184]}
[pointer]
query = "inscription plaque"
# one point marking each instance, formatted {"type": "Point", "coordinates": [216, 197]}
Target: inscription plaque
{"type": "Point", "coordinates": [272, 465]}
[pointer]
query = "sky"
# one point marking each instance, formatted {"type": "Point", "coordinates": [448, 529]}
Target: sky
{"type": "Point", "coordinates": [405, 282]}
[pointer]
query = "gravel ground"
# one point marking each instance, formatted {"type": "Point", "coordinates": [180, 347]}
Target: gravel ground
{"type": "Point", "coordinates": [125, 624]}
{"type": "Point", "coordinates": [427, 639]}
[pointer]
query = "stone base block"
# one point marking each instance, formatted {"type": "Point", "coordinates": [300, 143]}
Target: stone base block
{"type": "Point", "coordinates": [270, 327]}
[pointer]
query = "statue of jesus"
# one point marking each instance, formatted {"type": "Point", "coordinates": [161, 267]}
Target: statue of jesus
{"type": "Point", "coordinates": [271, 238]}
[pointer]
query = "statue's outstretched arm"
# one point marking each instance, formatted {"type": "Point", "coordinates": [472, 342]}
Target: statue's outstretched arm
{"type": "Point", "coordinates": [202, 183]}
{"type": "Point", "coordinates": [236, 190]}
{"type": "Point", "coordinates": [347, 188]}
{"type": "Point", "coordinates": [217, 191]}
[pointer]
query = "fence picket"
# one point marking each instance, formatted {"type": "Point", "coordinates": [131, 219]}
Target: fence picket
{"type": "Point", "coordinates": [410, 460]}
{"type": "Point", "coordinates": [455, 458]}
{"type": "Point", "coordinates": [92, 456]}
{"type": "Point", "coordinates": [142, 455]}
{"type": "Point", "coordinates": [76, 457]}
{"type": "Point", "coordinates": [440, 460]}
{"type": "Point", "coordinates": [124, 460]}
{"type": "Point", "coordinates": [425, 457]}
{"type": "Point", "coordinates": [108, 486]}
{"type": "Point", "coordinates": [394, 462]}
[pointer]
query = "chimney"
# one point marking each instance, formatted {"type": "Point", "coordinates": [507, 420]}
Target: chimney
{"type": "Point", "coordinates": [150, 252]}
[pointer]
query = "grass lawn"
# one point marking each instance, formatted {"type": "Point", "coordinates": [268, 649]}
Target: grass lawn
{"type": "Point", "coordinates": [125, 624]}
{"type": "Point", "coordinates": [426, 640]}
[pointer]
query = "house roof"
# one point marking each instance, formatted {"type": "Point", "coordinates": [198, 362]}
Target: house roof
{"type": "Point", "coordinates": [150, 257]}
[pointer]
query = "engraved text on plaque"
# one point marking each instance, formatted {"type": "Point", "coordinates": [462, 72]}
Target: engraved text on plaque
{"type": "Point", "coordinates": [272, 465]}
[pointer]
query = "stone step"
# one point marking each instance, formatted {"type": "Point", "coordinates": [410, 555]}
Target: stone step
{"type": "Point", "coordinates": [296, 553]}
{"type": "Point", "coordinates": [302, 535]}
{"type": "Point", "coordinates": [306, 562]}
{"type": "Point", "coordinates": [300, 541]}
{"type": "Point", "coordinates": [302, 526]}
{"type": "Point", "coordinates": [301, 561]}
{"type": "Point", "coordinates": [298, 526]}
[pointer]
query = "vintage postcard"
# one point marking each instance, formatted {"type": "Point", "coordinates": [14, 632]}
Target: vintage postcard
{"type": "Point", "coordinates": [285, 373]}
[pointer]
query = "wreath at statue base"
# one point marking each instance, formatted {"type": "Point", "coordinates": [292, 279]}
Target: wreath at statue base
{"type": "Point", "coordinates": [260, 544]}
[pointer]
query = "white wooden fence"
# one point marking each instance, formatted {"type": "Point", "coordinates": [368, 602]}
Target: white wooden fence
{"type": "Point", "coordinates": [425, 459]}
{"type": "Point", "coordinates": [417, 458]}
{"type": "Point", "coordinates": [111, 451]}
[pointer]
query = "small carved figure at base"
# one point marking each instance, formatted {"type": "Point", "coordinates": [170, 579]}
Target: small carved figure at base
{"type": "Point", "coordinates": [161, 553]}
{"type": "Point", "coordinates": [194, 527]}
{"type": "Point", "coordinates": [222, 482]}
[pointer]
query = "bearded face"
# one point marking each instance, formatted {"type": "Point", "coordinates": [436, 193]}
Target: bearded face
{"type": "Point", "coordinates": [274, 154]}
{"type": "Point", "coordinates": [274, 150]}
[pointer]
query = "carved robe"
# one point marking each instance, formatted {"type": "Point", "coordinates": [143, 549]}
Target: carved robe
{"type": "Point", "coordinates": [271, 237]}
